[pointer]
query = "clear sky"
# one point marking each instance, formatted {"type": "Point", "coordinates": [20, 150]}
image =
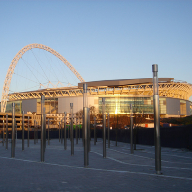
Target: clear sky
{"type": "Point", "coordinates": [103, 39]}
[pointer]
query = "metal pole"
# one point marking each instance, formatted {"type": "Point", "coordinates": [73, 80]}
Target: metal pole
{"type": "Point", "coordinates": [37, 132]}
{"type": "Point", "coordinates": [104, 128]}
{"type": "Point", "coordinates": [156, 119]}
{"type": "Point", "coordinates": [68, 131]}
{"type": "Point", "coordinates": [79, 127]}
{"type": "Point", "coordinates": [94, 130]}
{"type": "Point", "coordinates": [108, 131]}
{"type": "Point", "coordinates": [34, 132]}
{"type": "Point", "coordinates": [23, 131]}
{"type": "Point", "coordinates": [7, 131]}
{"type": "Point", "coordinates": [85, 126]}
{"type": "Point", "coordinates": [59, 131]}
{"type": "Point", "coordinates": [3, 133]}
{"type": "Point", "coordinates": [71, 131]}
{"type": "Point", "coordinates": [28, 132]}
{"type": "Point", "coordinates": [48, 133]}
{"type": "Point", "coordinates": [16, 131]}
{"type": "Point", "coordinates": [42, 127]}
{"type": "Point", "coordinates": [116, 130]}
{"type": "Point", "coordinates": [65, 138]}
{"type": "Point", "coordinates": [13, 131]}
{"type": "Point", "coordinates": [76, 130]}
{"type": "Point", "coordinates": [88, 133]}
{"type": "Point", "coordinates": [131, 129]}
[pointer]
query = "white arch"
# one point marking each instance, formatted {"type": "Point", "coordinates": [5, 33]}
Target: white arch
{"type": "Point", "coordinates": [14, 62]}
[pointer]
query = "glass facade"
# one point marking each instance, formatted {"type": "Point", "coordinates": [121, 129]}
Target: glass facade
{"type": "Point", "coordinates": [51, 106]}
{"type": "Point", "coordinates": [121, 105]}
{"type": "Point", "coordinates": [18, 107]}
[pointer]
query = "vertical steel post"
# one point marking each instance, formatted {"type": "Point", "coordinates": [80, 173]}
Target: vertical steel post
{"type": "Point", "coordinates": [94, 130]}
{"type": "Point", "coordinates": [34, 131]}
{"type": "Point", "coordinates": [88, 131]}
{"type": "Point", "coordinates": [76, 131]}
{"type": "Point", "coordinates": [79, 127]}
{"type": "Point", "coordinates": [13, 131]}
{"type": "Point", "coordinates": [3, 132]}
{"type": "Point", "coordinates": [28, 133]}
{"type": "Point", "coordinates": [42, 127]}
{"type": "Point", "coordinates": [65, 136]}
{"type": "Point", "coordinates": [131, 129]}
{"type": "Point", "coordinates": [85, 126]}
{"type": "Point", "coordinates": [156, 119]}
{"type": "Point", "coordinates": [108, 130]}
{"type": "Point", "coordinates": [7, 131]}
{"type": "Point", "coordinates": [85, 132]}
{"type": "Point", "coordinates": [48, 133]}
{"type": "Point", "coordinates": [71, 131]}
{"type": "Point", "coordinates": [61, 133]}
{"type": "Point", "coordinates": [68, 131]}
{"type": "Point", "coordinates": [104, 128]}
{"type": "Point", "coordinates": [23, 131]}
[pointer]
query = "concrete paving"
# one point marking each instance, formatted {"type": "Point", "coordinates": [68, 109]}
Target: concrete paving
{"type": "Point", "coordinates": [120, 171]}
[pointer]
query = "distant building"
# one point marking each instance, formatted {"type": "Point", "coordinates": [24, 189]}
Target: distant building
{"type": "Point", "coordinates": [119, 94]}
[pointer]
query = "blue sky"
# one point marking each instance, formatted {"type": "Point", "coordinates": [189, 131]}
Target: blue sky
{"type": "Point", "coordinates": [108, 39]}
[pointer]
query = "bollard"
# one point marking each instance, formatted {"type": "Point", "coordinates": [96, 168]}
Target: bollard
{"type": "Point", "coordinates": [71, 131]}
{"type": "Point", "coordinates": [76, 132]}
{"type": "Point", "coordinates": [156, 119]}
{"type": "Point", "coordinates": [7, 131]}
{"type": "Point", "coordinates": [23, 131]}
{"type": "Point", "coordinates": [13, 131]}
{"type": "Point", "coordinates": [131, 129]}
{"type": "Point", "coordinates": [85, 127]}
{"type": "Point", "coordinates": [95, 131]}
{"type": "Point", "coordinates": [34, 131]}
{"type": "Point", "coordinates": [89, 131]}
{"type": "Point", "coordinates": [28, 133]}
{"type": "Point", "coordinates": [65, 137]}
{"type": "Point", "coordinates": [48, 133]}
{"type": "Point", "coordinates": [3, 132]}
{"type": "Point", "coordinates": [108, 131]}
{"type": "Point", "coordinates": [42, 128]}
{"type": "Point", "coordinates": [104, 128]}
{"type": "Point", "coordinates": [59, 131]}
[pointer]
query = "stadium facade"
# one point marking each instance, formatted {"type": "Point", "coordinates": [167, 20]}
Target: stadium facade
{"type": "Point", "coordinates": [118, 94]}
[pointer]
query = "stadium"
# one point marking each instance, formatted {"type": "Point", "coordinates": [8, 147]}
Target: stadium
{"type": "Point", "coordinates": [119, 94]}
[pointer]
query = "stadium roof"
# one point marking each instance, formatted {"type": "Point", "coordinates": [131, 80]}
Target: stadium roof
{"type": "Point", "coordinates": [122, 82]}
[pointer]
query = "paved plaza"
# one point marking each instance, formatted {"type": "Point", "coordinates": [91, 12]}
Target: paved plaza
{"type": "Point", "coordinates": [120, 171]}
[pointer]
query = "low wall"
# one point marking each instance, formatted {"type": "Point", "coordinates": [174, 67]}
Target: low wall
{"type": "Point", "coordinates": [175, 137]}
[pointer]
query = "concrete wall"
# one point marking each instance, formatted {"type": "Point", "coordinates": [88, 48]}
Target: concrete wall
{"type": "Point", "coordinates": [64, 103]}
{"type": "Point", "coordinates": [173, 106]}
{"type": "Point", "coordinates": [188, 107]}
{"type": "Point", "coordinates": [29, 105]}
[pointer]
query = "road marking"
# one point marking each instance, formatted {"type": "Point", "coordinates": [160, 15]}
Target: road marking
{"type": "Point", "coordinates": [105, 170]}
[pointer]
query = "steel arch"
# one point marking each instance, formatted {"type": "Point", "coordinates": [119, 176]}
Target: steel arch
{"type": "Point", "coordinates": [14, 62]}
